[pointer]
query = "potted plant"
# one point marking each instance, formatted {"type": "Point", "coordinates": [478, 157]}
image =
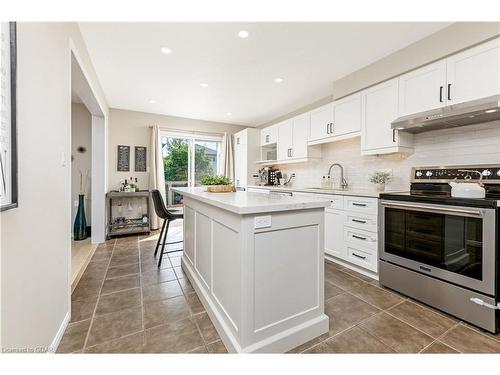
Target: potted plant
{"type": "Point", "coordinates": [380, 179]}
{"type": "Point", "coordinates": [218, 184]}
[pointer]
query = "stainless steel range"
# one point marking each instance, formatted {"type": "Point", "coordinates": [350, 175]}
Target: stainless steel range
{"type": "Point", "coordinates": [443, 250]}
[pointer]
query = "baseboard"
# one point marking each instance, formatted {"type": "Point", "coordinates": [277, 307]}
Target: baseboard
{"type": "Point", "coordinates": [60, 333]}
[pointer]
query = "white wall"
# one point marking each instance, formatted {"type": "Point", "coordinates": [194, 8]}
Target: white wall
{"type": "Point", "coordinates": [133, 129]}
{"type": "Point", "coordinates": [81, 136]}
{"type": "Point", "coordinates": [35, 237]}
{"type": "Point", "coordinates": [475, 144]}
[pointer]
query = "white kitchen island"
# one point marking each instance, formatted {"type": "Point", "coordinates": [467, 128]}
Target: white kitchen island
{"type": "Point", "coordinates": [256, 262]}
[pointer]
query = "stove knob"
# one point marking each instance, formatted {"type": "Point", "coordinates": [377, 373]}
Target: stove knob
{"type": "Point", "coordinates": [428, 173]}
{"type": "Point", "coordinates": [419, 174]}
{"type": "Point", "coordinates": [486, 173]}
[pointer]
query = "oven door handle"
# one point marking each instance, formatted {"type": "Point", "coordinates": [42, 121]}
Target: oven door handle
{"type": "Point", "coordinates": [438, 209]}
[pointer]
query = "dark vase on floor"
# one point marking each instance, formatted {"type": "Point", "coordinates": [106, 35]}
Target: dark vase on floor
{"type": "Point", "coordinates": [80, 226]}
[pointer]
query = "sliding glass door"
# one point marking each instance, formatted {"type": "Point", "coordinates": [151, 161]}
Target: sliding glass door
{"type": "Point", "coordinates": [187, 159]}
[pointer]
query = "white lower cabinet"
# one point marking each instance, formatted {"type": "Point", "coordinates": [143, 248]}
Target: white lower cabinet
{"type": "Point", "coordinates": [351, 229]}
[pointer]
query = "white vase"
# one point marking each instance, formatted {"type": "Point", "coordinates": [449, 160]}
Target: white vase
{"type": "Point", "coordinates": [380, 187]}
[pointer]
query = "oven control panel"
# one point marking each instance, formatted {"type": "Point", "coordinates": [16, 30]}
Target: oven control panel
{"type": "Point", "coordinates": [490, 173]}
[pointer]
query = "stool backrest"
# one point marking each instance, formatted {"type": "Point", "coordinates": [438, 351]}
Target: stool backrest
{"type": "Point", "coordinates": [160, 208]}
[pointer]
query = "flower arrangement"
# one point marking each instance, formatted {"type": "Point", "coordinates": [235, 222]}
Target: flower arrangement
{"type": "Point", "coordinates": [380, 179]}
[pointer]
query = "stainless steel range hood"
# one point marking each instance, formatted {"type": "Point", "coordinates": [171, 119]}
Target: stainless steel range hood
{"type": "Point", "coordinates": [468, 113]}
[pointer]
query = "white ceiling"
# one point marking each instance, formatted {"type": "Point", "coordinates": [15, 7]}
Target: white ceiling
{"type": "Point", "coordinates": [240, 73]}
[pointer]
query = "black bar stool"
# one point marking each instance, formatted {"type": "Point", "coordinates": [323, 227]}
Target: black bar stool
{"type": "Point", "coordinates": [167, 216]}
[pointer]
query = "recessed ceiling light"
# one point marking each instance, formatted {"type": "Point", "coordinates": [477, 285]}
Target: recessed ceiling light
{"type": "Point", "coordinates": [243, 34]}
{"type": "Point", "coordinates": [152, 101]}
{"type": "Point", "coordinates": [166, 50]}
{"type": "Point", "coordinates": [229, 113]}
{"type": "Point", "coordinates": [278, 80]}
{"type": "Point", "coordinates": [204, 85]}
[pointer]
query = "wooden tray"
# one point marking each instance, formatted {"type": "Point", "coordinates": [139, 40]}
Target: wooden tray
{"type": "Point", "coordinates": [221, 188]}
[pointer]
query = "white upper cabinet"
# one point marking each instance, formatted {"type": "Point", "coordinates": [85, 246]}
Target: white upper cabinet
{"type": "Point", "coordinates": [379, 107]}
{"type": "Point", "coordinates": [285, 140]}
{"type": "Point", "coordinates": [269, 135]}
{"type": "Point", "coordinates": [321, 122]}
{"type": "Point", "coordinates": [300, 133]}
{"type": "Point", "coordinates": [474, 73]}
{"type": "Point", "coordinates": [423, 89]}
{"type": "Point", "coordinates": [347, 115]}
{"type": "Point", "coordinates": [246, 153]}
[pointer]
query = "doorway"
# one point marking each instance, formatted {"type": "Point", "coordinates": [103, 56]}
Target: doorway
{"type": "Point", "coordinates": [186, 160]}
{"type": "Point", "coordinates": [87, 169]}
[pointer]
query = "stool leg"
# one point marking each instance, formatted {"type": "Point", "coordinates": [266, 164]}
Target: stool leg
{"type": "Point", "coordinates": [164, 242]}
{"type": "Point", "coordinates": [161, 235]}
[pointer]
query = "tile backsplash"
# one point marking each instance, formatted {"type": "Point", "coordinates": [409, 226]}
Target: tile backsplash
{"type": "Point", "coordinates": [474, 144]}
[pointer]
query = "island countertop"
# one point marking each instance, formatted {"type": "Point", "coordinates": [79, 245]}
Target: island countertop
{"type": "Point", "coordinates": [242, 202]}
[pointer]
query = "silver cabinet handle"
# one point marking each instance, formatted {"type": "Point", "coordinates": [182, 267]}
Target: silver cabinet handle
{"type": "Point", "coordinates": [359, 221]}
{"type": "Point", "coordinates": [359, 204]}
{"type": "Point", "coordinates": [441, 94]}
{"type": "Point", "coordinates": [358, 256]}
{"type": "Point", "coordinates": [449, 91]}
{"type": "Point", "coordinates": [432, 209]}
{"type": "Point", "coordinates": [327, 128]}
{"type": "Point", "coordinates": [359, 237]}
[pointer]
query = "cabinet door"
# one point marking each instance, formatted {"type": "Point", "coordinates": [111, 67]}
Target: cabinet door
{"type": "Point", "coordinates": [334, 233]}
{"type": "Point", "coordinates": [321, 120]}
{"type": "Point", "coordinates": [285, 140]}
{"type": "Point", "coordinates": [423, 89]}
{"type": "Point", "coordinates": [474, 73]}
{"type": "Point", "coordinates": [269, 135]}
{"type": "Point", "coordinates": [379, 109]}
{"type": "Point", "coordinates": [300, 132]}
{"type": "Point", "coordinates": [347, 115]}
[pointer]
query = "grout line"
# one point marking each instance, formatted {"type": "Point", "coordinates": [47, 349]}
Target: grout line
{"type": "Point", "coordinates": [442, 335]}
{"type": "Point", "coordinates": [478, 330]}
{"type": "Point", "coordinates": [97, 302]}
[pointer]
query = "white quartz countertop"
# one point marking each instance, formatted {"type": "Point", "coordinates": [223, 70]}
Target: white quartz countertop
{"type": "Point", "coordinates": [371, 193]}
{"type": "Point", "coordinates": [242, 202]}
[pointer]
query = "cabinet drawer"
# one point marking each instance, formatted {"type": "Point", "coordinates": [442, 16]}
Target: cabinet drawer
{"type": "Point", "coordinates": [336, 202]}
{"type": "Point", "coordinates": [364, 205]}
{"type": "Point", "coordinates": [362, 258]}
{"type": "Point", "coordinates": [360, 237]}
{"type": "Point", "coordinates": [361, 221]}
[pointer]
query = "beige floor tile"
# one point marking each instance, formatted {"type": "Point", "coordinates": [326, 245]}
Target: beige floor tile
{"type": "Point", "coordinates": [207, 329]}
{"type": "Point", "coordinates": [342, 279]}
{"type": "Point", "coordinates": [115, 325]}
{"type": "Point", "coordinates": [95, 271]}
{"type": "Point", "coordinates": [165, 311]}
{"type": "Point", "coordinates": [83, 309]}
{"type": "Point", "coordinates": [129, 344]}
{"type": "Point", "coordinates": [330, 264]}
{"type": "Point", "coordinates": [180, 272]}
{"type": "Point", "coordinates": [358, 275]}
{"type": "Point", "coordinates": [175, 261]}
{"type": "Point", "coordinates": [86, 289]}
{"type": "Point", "coordinates": [118, 301]}
{"type": "Point", "coordinates": [199, 350]}
{"type": "Point", "coordinates": [354, 340]}
{"type": "Point", "coordinates": [194, 303]}
{"type": "Point", "coordinates": [119, 284]}
{"type": "Point", "coordinates": [125, 270]}
{"type": "Point", "coordinates": [467, 340]}
{"type": "Point", "coordinates": [102, 254]}
{"type": "Point", "coordinates": [332, 290]}
{"type": "Point", "coordinates": [74, 337]}
{"type": "Point", "coordinates": [157, 276]}
{"type": "Point", "coordinates": [423, 318]}
{"type": "Point", "coordinates": [217, 348]}
{"type": "Point", "coordinates": [309, 344]}
{"type": "Point", "coordinates": [376, 296]}
{"type": "Point", "coordinates": [345, 311]}
{"type": "Point", "coordinates": [399, 336]}
{"type": "Point", "coordinates": [439, 348]}
{"type": "Point", "coordinates": [158, 292]}
{"type": "Point", "coordinates": [119, 260]}
{"type": "Point", "coordinates": [186, 286]}
{"type": "Point", "coordinates": [174, 337]}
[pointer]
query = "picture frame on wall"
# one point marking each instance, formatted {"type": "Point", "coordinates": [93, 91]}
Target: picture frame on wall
{"type": "Point", "coordinates": [8, 117]}
{"type": "Point", "coordinates": [123, 158]}
{"type": "Point", "coordinates": [140, 159]}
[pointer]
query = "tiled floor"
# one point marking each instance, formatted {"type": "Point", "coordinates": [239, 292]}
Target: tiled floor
{"type": "Point", "coordinates": [124, 304]}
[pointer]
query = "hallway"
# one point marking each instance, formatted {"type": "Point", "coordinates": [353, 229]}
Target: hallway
{"type": "Point", "coordinates": [124, 304]}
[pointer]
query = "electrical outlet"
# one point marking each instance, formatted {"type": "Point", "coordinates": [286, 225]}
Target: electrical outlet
{"type": "Point", "coordinates": [262, 222]}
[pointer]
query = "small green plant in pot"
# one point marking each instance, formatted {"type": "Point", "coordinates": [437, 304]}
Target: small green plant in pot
{"type": "Point", "coordinates": [217, 184]}
{"type": "Point", "coordinates": [380, 179]}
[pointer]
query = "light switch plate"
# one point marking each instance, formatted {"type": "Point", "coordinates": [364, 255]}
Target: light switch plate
{"type": "Point", "coordinates": [262, 222]}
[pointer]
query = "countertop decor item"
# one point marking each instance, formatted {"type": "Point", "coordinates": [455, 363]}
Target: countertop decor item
{"type": "Point", "coordinates": [218, 184]}
{"type": "Point", "coordinates": [380, 179]}
{"type": "Point", "coordinates": [80, 225]}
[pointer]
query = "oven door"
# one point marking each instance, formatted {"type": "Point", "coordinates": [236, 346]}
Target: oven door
{"type": "Point", "coordinates": [452, 243]}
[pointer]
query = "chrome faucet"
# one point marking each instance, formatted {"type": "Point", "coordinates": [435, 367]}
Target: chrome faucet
{"type": "Point", "coordinates": [343, 182]}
